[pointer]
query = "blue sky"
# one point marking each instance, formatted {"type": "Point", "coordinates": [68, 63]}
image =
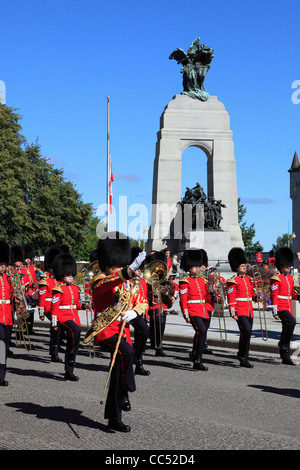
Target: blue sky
{"type": "Point", "coordinates": [61, 59]}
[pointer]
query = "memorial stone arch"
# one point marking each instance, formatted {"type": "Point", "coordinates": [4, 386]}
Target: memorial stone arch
{"type": "Point", "coordinates": [188, 122]}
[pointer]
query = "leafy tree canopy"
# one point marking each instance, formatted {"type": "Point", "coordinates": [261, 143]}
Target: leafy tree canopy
{"type": "Point", "coordinates": [38, 206]}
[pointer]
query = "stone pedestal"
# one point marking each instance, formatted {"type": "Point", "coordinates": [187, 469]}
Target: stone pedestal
{"type": "Point", "coordinates": [187, 122]}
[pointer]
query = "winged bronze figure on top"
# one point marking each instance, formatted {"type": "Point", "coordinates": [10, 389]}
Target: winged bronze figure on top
{"type": "Point", "coordinates": [195, 65]}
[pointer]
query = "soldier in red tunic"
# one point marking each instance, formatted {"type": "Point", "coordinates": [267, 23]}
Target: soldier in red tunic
{"type": "Point", "coordinates": [6, 312]}
{"type": "Point", "coordinates": [46, 284]}
{"type": "Point", "coordinates": [141, 328]}
{"type": "Point", "coordinates": [195, 303]}
{"type": "Point", "coordinates": [282, 293]}
{"type": "Point", "coordinates": [64, 308]}
{"type": "Point", "coordinates": [114, 257]}
{"type": "Point", "coordinates": [240, 293]}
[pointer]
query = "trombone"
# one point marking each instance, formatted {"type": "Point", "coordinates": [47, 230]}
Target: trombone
{"type": "Point", "coordinates": [259, 289]}
{"type": "Point", "coordinates": [21, 310]}
{"type": "Point", "coordinates": [218, 288]}
{"type": "Point", "coordinates": [154, 274]}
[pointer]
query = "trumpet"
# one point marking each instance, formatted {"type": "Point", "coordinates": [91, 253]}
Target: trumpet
{"type": "Point", "coordinates": [21, 310]}
{"type": "Point", "coordinates": [259, 290]}
{"type": "Point", "coordinates": [155, 274]}
{"type": "Point", "coordinates": [218, 288]}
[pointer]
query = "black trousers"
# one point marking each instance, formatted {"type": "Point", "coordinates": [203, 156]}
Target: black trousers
{"type": "Point", "coordinates": [122, 378]}
{"type": "Point", "coordinates": [141, 334]}
{"type": "Point", "coordinates": [73, 338]}
{"type": "Point", "coordinates": [200, 326]}
{"type": "Point", "coordinates": [157, 328]}
{"type": "Point", "coordinates": [288, 325]}
{"type": "Point", "coordinates": [5, 335]}
{"type": "Point", "coordinates": [245, 326]}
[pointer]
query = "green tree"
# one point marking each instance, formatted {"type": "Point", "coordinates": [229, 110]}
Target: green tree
{"type": "Point", "coordinates": [38, 205]}
{"type": "Point", "coordinates": [285, 240]}
{"type": "Point", "coordinates": [248, 232]}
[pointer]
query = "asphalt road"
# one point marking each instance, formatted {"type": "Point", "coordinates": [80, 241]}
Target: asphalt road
{"type": "Point", "coordinates": [174, 409]}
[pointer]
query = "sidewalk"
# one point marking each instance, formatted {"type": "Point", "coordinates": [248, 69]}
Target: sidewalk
{"type": "Point", "coordinates": [179, 332]}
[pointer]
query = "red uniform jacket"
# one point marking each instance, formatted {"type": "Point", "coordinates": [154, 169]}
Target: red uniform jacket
{"type": "Point", "coordinates": [240, 294]}
{"type": "Point", "coordinates": [6, 296]}
{"type": "Point", "coordinates": [104, 290]}
{"type": "Point", "coordinates": [144, 295]}
{"type": "Point", "coordinates": [31, 278]}
{"type": "Point", "coordinates": [194, 298]}
{"type": "Point", "coordinates": [282, 291]}
{"type": "Point", "coordinates": [45, 293]}
{"type": "Point", "coordinates": [66, 303]}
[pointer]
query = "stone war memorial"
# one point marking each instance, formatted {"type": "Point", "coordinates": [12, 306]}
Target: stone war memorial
{"type": "Point", "coordinates": [195, 119]}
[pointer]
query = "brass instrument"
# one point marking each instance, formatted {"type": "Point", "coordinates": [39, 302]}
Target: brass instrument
{"type": "Point", "coordinates": [88, 274]}
{"type": "Point", "coordinates": [119, 306]}
{"type": "Point", "coordinates": [155, 274]}
{"type": "Point", "coordinates": [21, 310]}
{"type": "Point", "coordinates": [111, 313]}
{"type": "Point", "coordinates": [218, 288]}
{"type": "Point", "coordinates": [259, 290]}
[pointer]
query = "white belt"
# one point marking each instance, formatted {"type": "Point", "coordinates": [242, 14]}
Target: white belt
{"type": "Point", "coordinates": [242, 299]}
{"type": "Point", "coordinates": [4, 302]}
{"type": "Point", "coordinates": [286, 297]}
{"type": "Point", "coordinates": [67, 307]}
{"type": "Point", "coordinates": [196, 301]}
{"type": "Point", "coordinates": [48, 299]}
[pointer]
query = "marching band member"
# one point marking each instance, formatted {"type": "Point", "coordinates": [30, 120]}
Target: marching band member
{"type": "Point", "coordinates": [159, 303]}
{"type": "Point", "coordinates": [282, 293]}
{"type": "Point", "coordinates": [195, 302]}
{"type": "Point", "coordinates": [141, 328]}
{"type": "Point", "coordinates": [210, 306]}
{"type": "Point", "coordinates": [46, 284]}
{"type": "Point", "coordinates": [114, 257]}
{"type": "Point", "coordinates": [6, 311]}
{"type": "Point", "coordinates": [28, 256]}
{"type": "Point", "coordinates": [64, 308]}
{"type": "Point", "coordinates": [240, 293]}
{"type": "Point", "coordinates": [18, 266]}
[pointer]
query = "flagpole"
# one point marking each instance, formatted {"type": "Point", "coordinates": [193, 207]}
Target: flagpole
{"type": "Point", "coordinates": [108, 170]}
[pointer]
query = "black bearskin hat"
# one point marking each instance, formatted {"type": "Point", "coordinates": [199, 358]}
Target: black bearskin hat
{"type": "Point", "coordinates": [53, 251]}
{"type": "Point", "coordinates": [236, 257]}
{"type": "Point", "coordinates": [28, 252]}
{"type": "Point", "coordinates": [93, 256]}
{"type": "Point", "coordinates": [205, 258]}
{"type": "Point", "coordinates": [190, 258]}
{"type": "Point", "coordinates": [113, 250]}
{"type": "Point", "coordinates": [5, 253]}
{"type": "Point", "coordinates": [284, 256]}
{"type": "Point", "coordinates": [63, 265]}
{"type": "Point", "coordinates": [156, 256]}
{"type": "Point", "coordinates": [17, 253]}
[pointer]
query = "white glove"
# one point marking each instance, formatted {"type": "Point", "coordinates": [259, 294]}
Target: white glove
{"type": "Point", "coordinates": [129, 315]}
{"type": "Point", "coordinates": [138, 261]}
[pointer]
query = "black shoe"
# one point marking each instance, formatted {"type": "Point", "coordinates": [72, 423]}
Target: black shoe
{"type": "Point", "coordinates": [139, 369]}
{"type": "Point", "coordinates": [288, 361]}
{"type": "Point", "coordinates": [160, 352]}
{"type": "Point", "coordinates": [3, 383]}
{"type": "Point", "coordinates": [125, 404]}
{"type": "Point", "coordinates": [70, 376]}
{"type": "Point", "coordinates": [207, 351]}
{"type": "Point", "coordinates": [56, 359]}
{"type": "Point", "coordinates": [246, 363]}
{"type": "Point", "coordinates": [118, 425]}
{"type": "Point", "coordinates": [199, 366]}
